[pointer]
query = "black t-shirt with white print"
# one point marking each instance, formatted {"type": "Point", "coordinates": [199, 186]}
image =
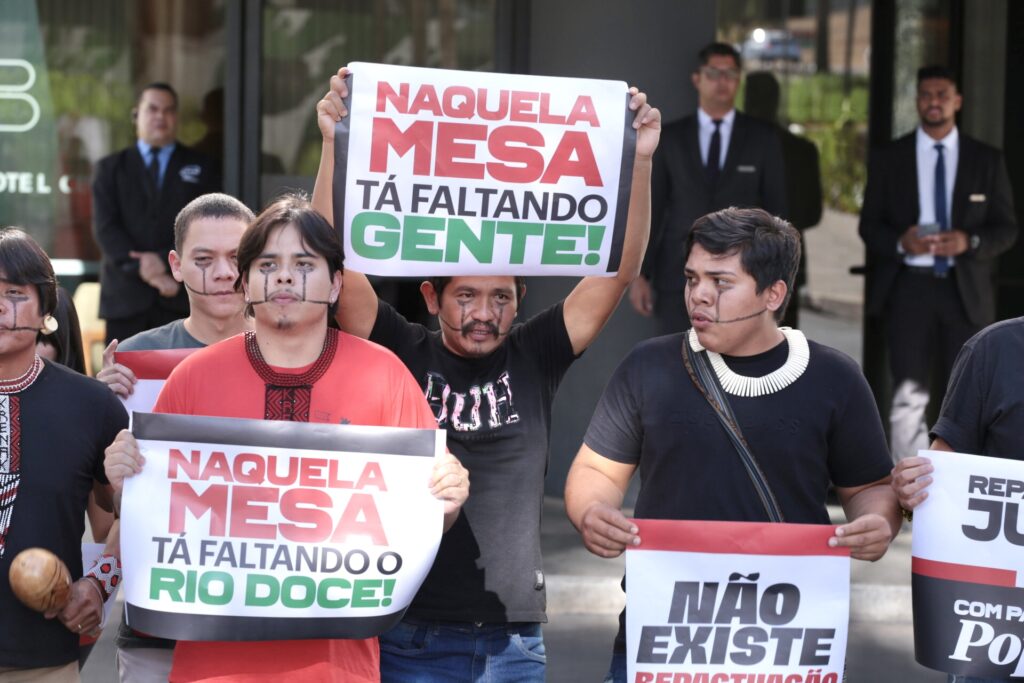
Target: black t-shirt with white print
{"type": "Point", "coordinates": [497, 412]}
{"type": "Point", "coordinates": [53, 450]}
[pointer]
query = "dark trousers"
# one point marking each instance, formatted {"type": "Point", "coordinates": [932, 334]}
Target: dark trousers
{"type": "Point", "coordinates": [926, 325]}
{"type": "Point", "coordinates": [122, 328]}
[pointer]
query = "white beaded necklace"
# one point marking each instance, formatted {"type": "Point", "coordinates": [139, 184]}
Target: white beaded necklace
{"type": "Point", "coordinates": [741, 385]}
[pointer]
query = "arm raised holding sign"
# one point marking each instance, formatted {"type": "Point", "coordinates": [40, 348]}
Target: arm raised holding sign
{"type": "Point", "coordinates": [588, 306]}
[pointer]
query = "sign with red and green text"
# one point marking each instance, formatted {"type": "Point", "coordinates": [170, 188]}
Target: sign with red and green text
{"type": "Point", "coordinates": [442, 172]}
{"type": "Point", "coordinates": [270, 530]}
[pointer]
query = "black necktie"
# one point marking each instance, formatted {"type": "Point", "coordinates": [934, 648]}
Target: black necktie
{"type": "Point", "coordinates": [154, 166]}
{"type": "Point", "coordinates": [714, 154]}
{"type": "Point", "coordinates": [941, 266]}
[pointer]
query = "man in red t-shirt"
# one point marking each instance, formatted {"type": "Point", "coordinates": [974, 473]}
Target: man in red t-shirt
{"type": "Point", "coordinates": [292, 367]}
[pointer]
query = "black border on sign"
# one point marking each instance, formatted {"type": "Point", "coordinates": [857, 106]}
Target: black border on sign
{"type": "Point", "coordinates": [228, 628]}
{"type": "Point", "coordinates": [625, 185]}
{"type": "Point", "coordinates": [341, 142]}
{"type": "Point", "coordinates": [233, 431]}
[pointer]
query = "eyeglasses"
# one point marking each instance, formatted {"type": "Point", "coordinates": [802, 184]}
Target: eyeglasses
{"type": "Point", "coordinates": [713, 74]}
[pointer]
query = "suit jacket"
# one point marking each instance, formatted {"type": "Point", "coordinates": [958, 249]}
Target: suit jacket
{"type": "Point", "coordinates": [982, 205]}
{"type": "Point", "coordinates": [752, 176]}
{"type": "Point", "coordinates": [130, 214]}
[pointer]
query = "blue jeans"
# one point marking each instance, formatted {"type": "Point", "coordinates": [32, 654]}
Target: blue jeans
{"type": "Point", "coordinates": [429, 651]}
{"type": "Point", "coordinates": [617, 669]}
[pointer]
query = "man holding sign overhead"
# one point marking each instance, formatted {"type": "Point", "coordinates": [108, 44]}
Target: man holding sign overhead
{"type": "Point", "coordinates": [478, 179]}
{"type": "Point", "coordinates": [736, 419]}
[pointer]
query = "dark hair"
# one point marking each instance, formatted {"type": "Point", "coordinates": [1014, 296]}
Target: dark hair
{"type": "Point", "coordinates": [439, 283]}
{"type": "Point", "coordinates": [316, 233]}
{"type": "Point", "coordinates": [67, 340]}
{"type": "Point", "coordinates": [158, 85]}
{"type": "Point", "coordinates": [23, 262]}
{"type": "Point", "coordinates": [935, 71]}
{"type": "Point", "coordinates": [212, 205]}
{"type": "Point", "coordinates": [721, 50]}
{"type": "Point", "coordinates": [768, 246]}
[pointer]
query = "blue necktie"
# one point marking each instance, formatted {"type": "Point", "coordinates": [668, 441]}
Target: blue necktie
{"type": "Point", "coordinates": [941, 266]}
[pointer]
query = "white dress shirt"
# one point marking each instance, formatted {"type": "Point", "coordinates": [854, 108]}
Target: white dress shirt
{"type": "Point", "coordinates": [706, 127]}
{"type": "Point", "coordinates": [927, 156]}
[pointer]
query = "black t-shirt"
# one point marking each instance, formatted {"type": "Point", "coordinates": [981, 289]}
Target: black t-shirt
{"type": "Point", "coordinates": [497, 412]}
{"type": "Point", "coordinates": [983, 412]}
{"type": "Point", "coordinates": [822, 428]}
{"type": "Point", "coordinates": [66, 420]}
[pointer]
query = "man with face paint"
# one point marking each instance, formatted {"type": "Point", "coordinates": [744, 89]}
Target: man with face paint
{"type": "Point", "coordinates": [805, 411]}
{"type": "Point", "coordinates": [294, 367]}
{"type": "Point", "coordinates": [54, 424]}
{"type": "Point", "coordinates": [490, 383]}
{"type": "Point", "coordinates": [205, 261]}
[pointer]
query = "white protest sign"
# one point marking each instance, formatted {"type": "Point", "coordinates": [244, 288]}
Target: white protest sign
{"type": "Point", "coordinates": [264, 530]}
{"type": "Point", "coordinates": [443, 172]}
{"type": "Point", "coordinates": [726, 601]}
{"type": "Point", "coordinates": [968, 567]}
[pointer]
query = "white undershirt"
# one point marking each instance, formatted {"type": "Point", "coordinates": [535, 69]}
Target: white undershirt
{"type": "Point", "coordinates": [706, 128]}
{"type": "Point", "coordinates": [927, 156]}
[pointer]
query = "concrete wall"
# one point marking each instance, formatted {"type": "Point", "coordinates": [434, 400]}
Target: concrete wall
{"type": "Point", "coordinates": [651, 44]}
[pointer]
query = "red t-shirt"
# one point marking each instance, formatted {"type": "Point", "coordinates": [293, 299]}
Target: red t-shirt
{"type": "Point", "coordinates": [365, 384]}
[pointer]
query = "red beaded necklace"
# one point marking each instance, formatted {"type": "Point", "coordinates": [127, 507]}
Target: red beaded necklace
{"type": "Point", "coordinates": [13, 386]}
{"type": "Point", "coordinates": [289, 396]}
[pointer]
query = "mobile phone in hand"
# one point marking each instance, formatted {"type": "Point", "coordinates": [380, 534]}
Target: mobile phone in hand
{"type": "Point", "coordinates": [928, 229]}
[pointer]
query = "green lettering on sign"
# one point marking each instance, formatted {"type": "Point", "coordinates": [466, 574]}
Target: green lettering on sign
{"type": "Point", "coordinates": [252, 590]}
{"type": "Point", "coordinates": [519, 233]}
{"type": "Point", "coordinates": [163, 580]}
{"type": "Point", "coordinates": [420, 237]}
{"type": "Point", "coordinates": [461, 235]}
{"type": "Point", "coordinates": [383, 228]}
{"type": "Point", "coordinates": [307, 587]}
{"type": "Point", "coordinates": [560, 244]}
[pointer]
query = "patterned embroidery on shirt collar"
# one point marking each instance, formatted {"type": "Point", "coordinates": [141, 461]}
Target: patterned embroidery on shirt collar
{"type": "Point", "coordinates": [10, 444]}
{"type": "Point", "coordinates": [288, 396]}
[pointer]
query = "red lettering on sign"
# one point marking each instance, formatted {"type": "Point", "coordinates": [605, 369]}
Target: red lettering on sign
{"type": "Point", "coordinates": [212, 501]}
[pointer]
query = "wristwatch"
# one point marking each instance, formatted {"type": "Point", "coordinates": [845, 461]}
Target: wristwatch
{"type": "Point", "coordinates": [974, 242]}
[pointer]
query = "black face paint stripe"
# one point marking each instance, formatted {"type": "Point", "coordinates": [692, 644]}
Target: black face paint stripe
{"type": "Point", "coordinates": [203, 268]}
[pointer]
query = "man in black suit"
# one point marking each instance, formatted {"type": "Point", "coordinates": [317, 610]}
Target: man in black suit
{"type": "Point", "coordinates": [137, 192]}
{"type": "Point", "coordinates": [938, 211]}
{"type": "Point", "coordinates": [710, 160]}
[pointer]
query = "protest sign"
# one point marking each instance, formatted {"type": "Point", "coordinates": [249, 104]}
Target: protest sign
{"type": "Point", "coordinates": [151, 369]}
{"type": "Point", "coordinates": [968, 567]}
{"type": "Point", "coordinates": [736, 601]}
{"type": "Point", "coordinates": [267, 530]}
{"type": "Point", "coordinates": [441, 172]}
